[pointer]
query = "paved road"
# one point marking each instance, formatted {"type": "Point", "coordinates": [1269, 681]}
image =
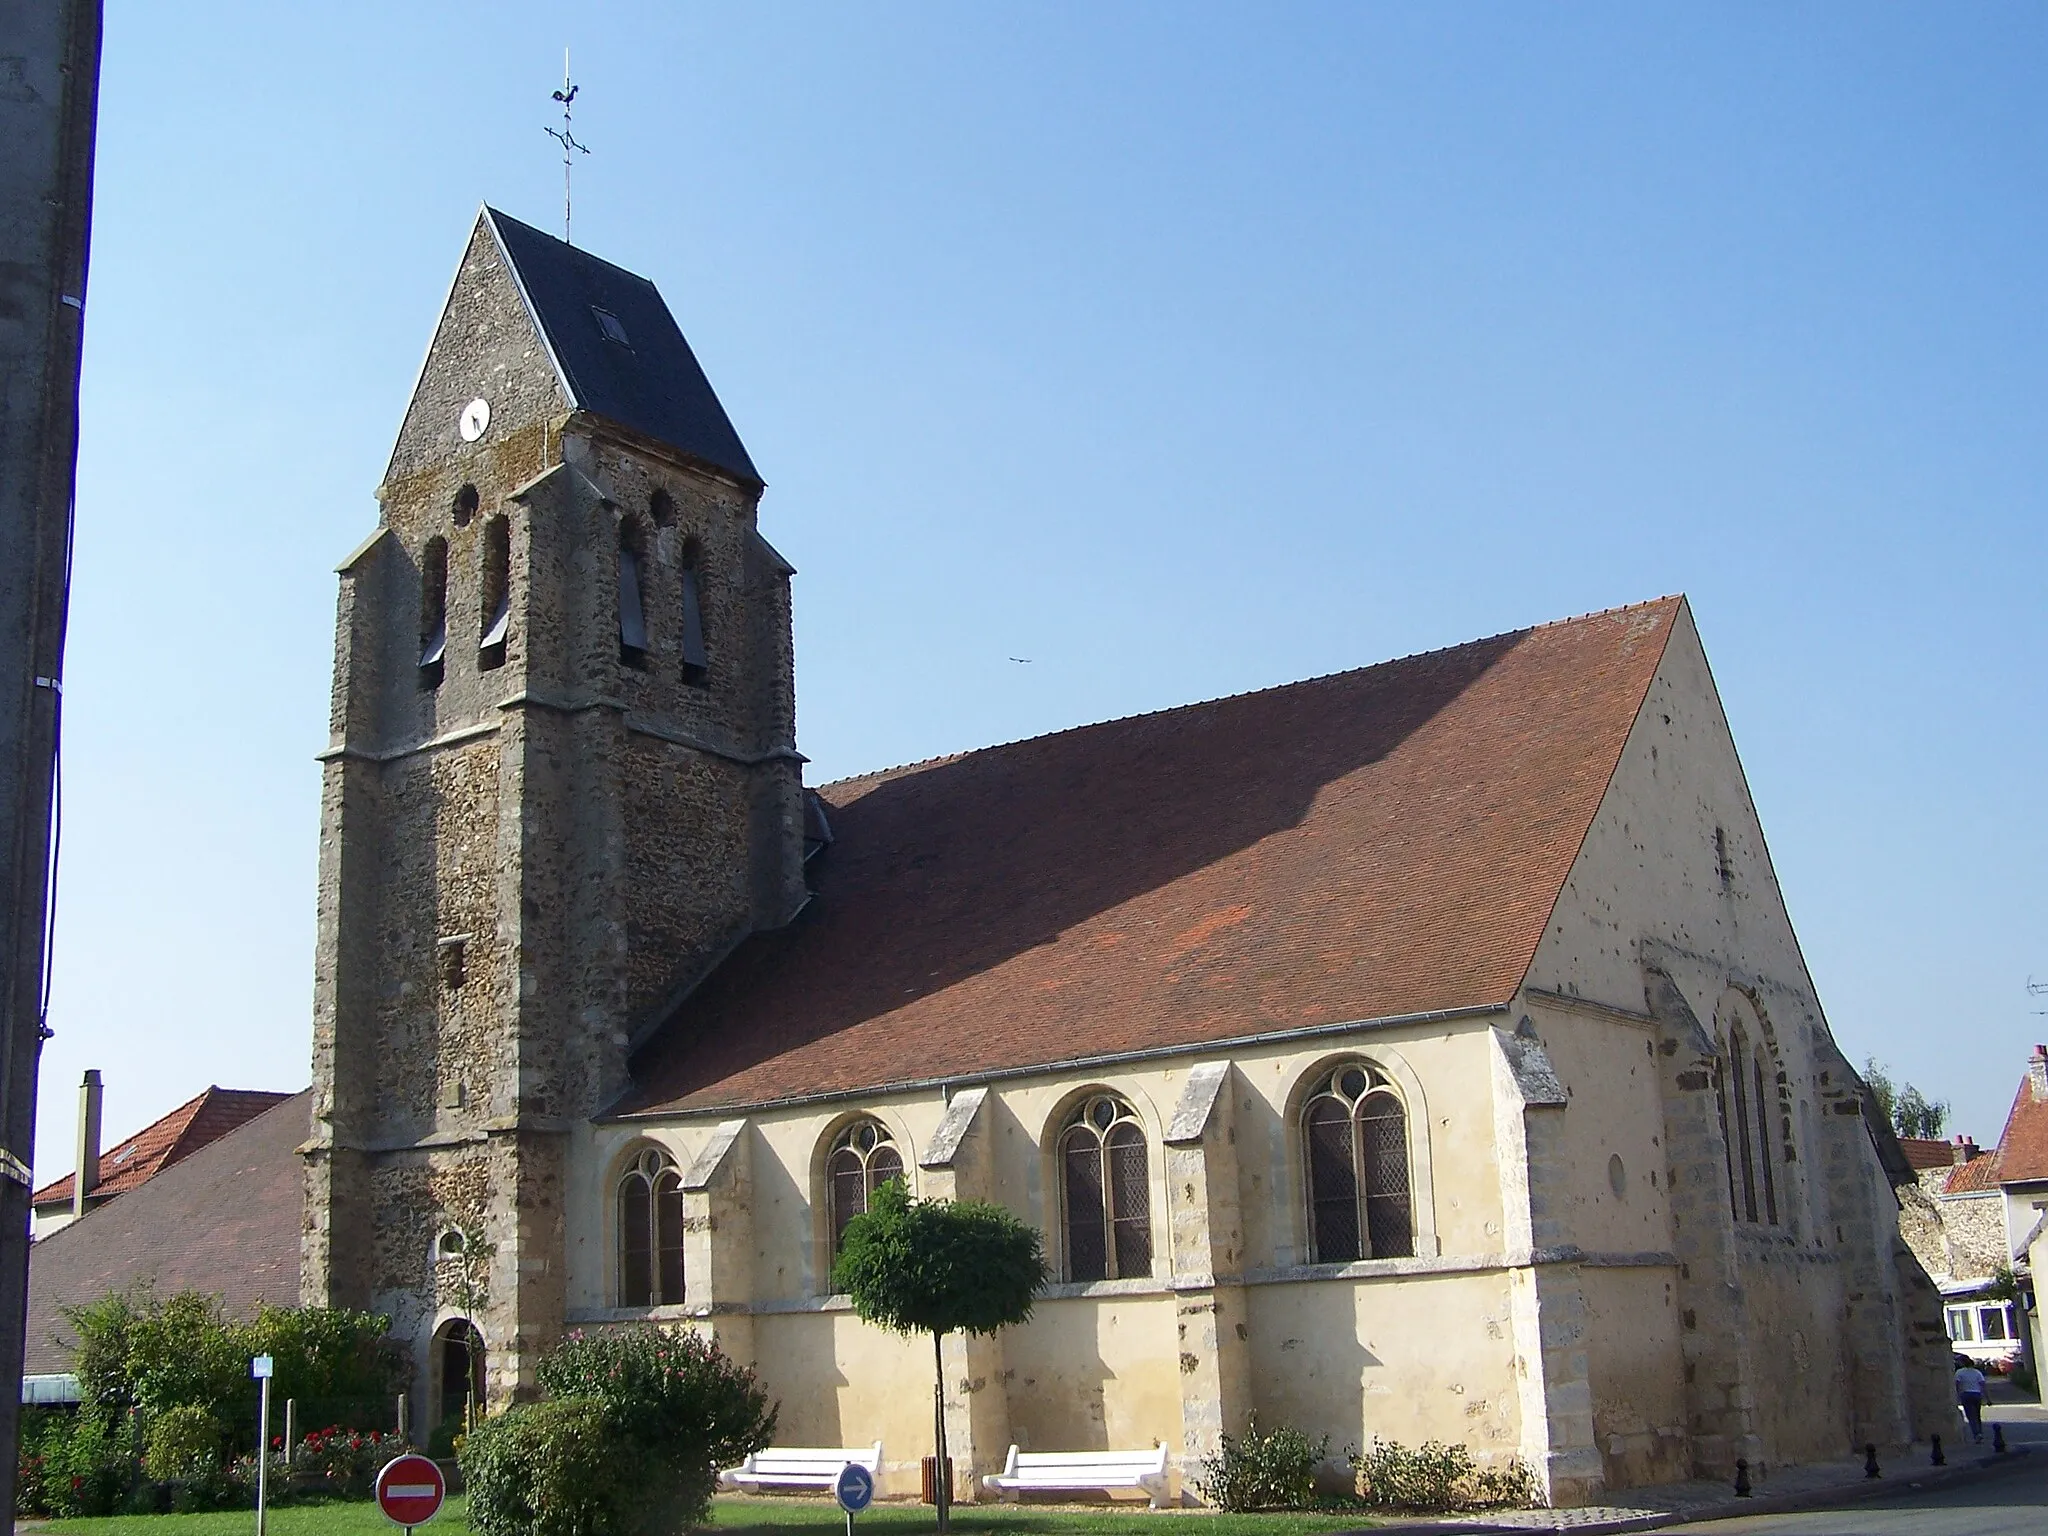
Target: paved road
{"type": "Point", "coordinates": [2004, 1503]}
{"type": "Point", "coordinates": [2008, 1504]}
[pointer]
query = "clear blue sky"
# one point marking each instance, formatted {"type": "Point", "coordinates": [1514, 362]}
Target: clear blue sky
{"type": "Point", "coordinates": [1178, 349]}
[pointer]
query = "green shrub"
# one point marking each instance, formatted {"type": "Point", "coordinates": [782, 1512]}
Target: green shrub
{"type": "Point", "coordinates": [559, 1469]}
{"type": "Point", "coordinates": [1438, 1477]}
{"type": "Point", "coordinates": [138, 1353]}
{"type": "Point", "coordinates": [446, 1439]}
{"type": "Point", "coordinates": [30, 1496]}
{"type": "Point", "coordinates": [672, 1394]}
{"type": "Point", "coordinates": [1255, 1471]}
{"type": "Point", "coordinates": [75, 1464]}
{"type": "Point", "coordinates": [183, 1442]}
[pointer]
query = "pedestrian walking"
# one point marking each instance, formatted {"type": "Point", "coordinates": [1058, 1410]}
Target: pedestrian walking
{"type": "Point", "coordinates": [1970, 1393]}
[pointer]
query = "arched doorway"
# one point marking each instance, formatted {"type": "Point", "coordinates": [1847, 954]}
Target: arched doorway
{"type": "Point", "coordinates": [459, 1368]}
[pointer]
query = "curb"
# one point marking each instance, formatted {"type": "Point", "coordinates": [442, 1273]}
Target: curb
{"type": "Point", "coordinates": [1731, 1507]}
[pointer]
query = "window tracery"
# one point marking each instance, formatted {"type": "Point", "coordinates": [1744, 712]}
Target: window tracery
{"type": "Point", "coordinates": [1354, 1132]}
{"type": "Point", "coordinates": [863, 1158]}
{"type": "Point", "coordinates": [650, 1213]}
{"type": "Point", "coordinates": [1107, 1191]}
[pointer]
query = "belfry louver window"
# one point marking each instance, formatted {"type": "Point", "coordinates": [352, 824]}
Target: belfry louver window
{"type": "Point", "coordinates": [497, 594]}
{"type": "Point", "coordinates": [433, 611]}
{"type": "Point", "coordinates": [632, 600]}
{"type": "Point", "coordinates": [696, 661]}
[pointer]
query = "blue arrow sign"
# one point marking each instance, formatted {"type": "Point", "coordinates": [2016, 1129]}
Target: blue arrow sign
{"type": "Point", "coordinates": [855, 1488]}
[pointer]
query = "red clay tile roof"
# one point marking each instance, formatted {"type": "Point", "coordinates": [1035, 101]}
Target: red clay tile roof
{"type": "Point", "coordinates": [1976, 1177]}
{"type": "Point", "coordinates": [170, 1140]}
{"type": "Point", "coordinates": [1923, 1152]}
{"type": "Point", "coordinates": [1376, 843]}
{"type": "Point", "coordinates": [225, 1221]}
{"type": "Point", "coordinates": [2023, 1147]}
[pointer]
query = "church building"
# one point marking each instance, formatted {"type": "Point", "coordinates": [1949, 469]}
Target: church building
{"type": "Point", "coordinates": [1421, 1052]}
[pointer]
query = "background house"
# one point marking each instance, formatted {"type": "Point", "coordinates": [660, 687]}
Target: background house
{"type": "Point", "coordinates": [223, 1218]}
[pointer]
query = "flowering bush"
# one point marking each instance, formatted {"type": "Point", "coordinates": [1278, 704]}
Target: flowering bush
{"type": "Point", "coordinates": [343, 1462]}
{"type": "Point", "coordinates": [70, 1464]}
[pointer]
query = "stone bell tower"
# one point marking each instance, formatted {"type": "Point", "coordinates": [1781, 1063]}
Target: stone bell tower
{"type": "Point", "coordinates": [562, 783]}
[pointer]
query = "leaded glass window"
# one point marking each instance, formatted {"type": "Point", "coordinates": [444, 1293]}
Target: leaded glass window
{"type": "Point", "coordinates": [650, 1211]}
{"type": "Point", "coordinates": [863, 1158]}
{"type": "Point", "coordinates": [1107, 1190]}
{"type": "Point", "coordinates": [1354, 1133]}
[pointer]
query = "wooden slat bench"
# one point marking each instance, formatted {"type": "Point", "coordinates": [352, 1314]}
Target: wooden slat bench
{"type": "Point", "coordinates": [800, 1466]}
{"type": "Point", "coordinates": [1081, 1472]}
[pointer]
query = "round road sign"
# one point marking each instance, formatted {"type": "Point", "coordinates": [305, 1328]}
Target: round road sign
{"type": "Point", "coordinates": [410, 1490]}
{"type": "Point", "coordinates": [855, 1488]}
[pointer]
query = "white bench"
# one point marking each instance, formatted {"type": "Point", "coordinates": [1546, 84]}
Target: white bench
{"type": "Point", "coordinates": [801, 1466]}
{"type": "Point", "coordinates": [1081, 1471]}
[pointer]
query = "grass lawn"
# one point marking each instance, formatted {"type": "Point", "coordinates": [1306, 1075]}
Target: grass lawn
{"type": "Point", "coordinates": [350, 1519]}
{"type": "Point", "coordinates": [738, 1514]}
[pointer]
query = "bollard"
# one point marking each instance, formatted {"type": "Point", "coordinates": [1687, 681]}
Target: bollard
{"type": "Point", "coordinates": [1870, 1460]}
{"type": "Point", "coordinates": [1998, 1439]}
{"type": "Point", "coordinates": [404, 1429]}
{"type": "Point", "coordinates": [1741, 1479]}
{"type": "Point", "coordinates": [1937, 1459]}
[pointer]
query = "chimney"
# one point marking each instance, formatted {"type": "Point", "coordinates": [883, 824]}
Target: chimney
{"type": "Point", "coordinates": [87, 1179]}
{"type": "Point", "coordinates": [2037, 1071]}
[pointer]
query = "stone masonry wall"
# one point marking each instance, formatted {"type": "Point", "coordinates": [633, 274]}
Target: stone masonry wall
{"type": "Point", "coordinates": [525, 855]}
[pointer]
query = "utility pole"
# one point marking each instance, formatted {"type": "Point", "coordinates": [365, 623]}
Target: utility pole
{"type": "Point", "coordinates": [49, 99]}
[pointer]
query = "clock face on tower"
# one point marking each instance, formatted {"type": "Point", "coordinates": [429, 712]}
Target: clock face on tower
{"type": "Point", "coordinates": [476, 417]}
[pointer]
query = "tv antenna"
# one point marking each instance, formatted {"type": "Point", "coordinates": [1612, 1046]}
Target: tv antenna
{"type": "Point", "coordinates": [566, 96]}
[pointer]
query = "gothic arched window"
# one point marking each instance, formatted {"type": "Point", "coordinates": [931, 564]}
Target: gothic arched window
{"type": "Point", "coordinates": [1354, 1135]}
{"type": "Point", "coordinates": [650, 1204]}
{"type": "Point", "coordinates": [1763, 1139]}
{"type": "Point", "coordinates": [863, 1158]}
{"type": "Point", "coordinates": [1742, 1154]}
{"type": "Point", "coordinates": [1106, 1191]}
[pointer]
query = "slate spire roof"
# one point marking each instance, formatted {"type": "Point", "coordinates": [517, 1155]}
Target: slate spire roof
{"type": "Point", "coordinates": [618, 350]}
{"type": "Point", "coordinates": [1382, 843]}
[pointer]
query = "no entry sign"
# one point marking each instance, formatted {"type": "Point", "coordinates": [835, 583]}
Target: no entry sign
{"type": "Point", "coordinates": [410, 1490]}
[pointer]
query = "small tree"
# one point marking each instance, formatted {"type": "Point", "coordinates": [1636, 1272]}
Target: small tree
{"type": "Point", "coordinates": [1909, 1111]}
{"type": "Point", "coordinates": [939, 1267]}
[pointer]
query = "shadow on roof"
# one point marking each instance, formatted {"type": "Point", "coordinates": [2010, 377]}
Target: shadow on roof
{"type": "Point", "coordinates": [945, 872]}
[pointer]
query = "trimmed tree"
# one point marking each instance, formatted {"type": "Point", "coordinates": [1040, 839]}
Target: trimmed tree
{"type": "Point", "coordinates": [938, 1267]}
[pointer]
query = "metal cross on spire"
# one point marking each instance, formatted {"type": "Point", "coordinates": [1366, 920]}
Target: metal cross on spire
{"type": "Point", "coordinates": [566, 96]}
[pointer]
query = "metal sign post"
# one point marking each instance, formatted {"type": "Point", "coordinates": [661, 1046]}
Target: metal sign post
{"type": "Point", "coordinates": [855, 1491]}
{"type": "Point", "coordinates": [260, 1368]}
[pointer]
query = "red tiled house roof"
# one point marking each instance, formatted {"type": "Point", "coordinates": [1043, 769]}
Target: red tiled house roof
{"type": "Point", "coordinates": [1925, 1152]}
{"type": "Point", "coordinates": [2023, 1146]}
{"type": "Point", "coordinates": [170, 1140]}
{"type": "Point", "coordinates": [1979, 1176]}
{"type": "Point", "coordinates": [1373, 844]}
{"type": "Point", "coordinates": [224, 1220]}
